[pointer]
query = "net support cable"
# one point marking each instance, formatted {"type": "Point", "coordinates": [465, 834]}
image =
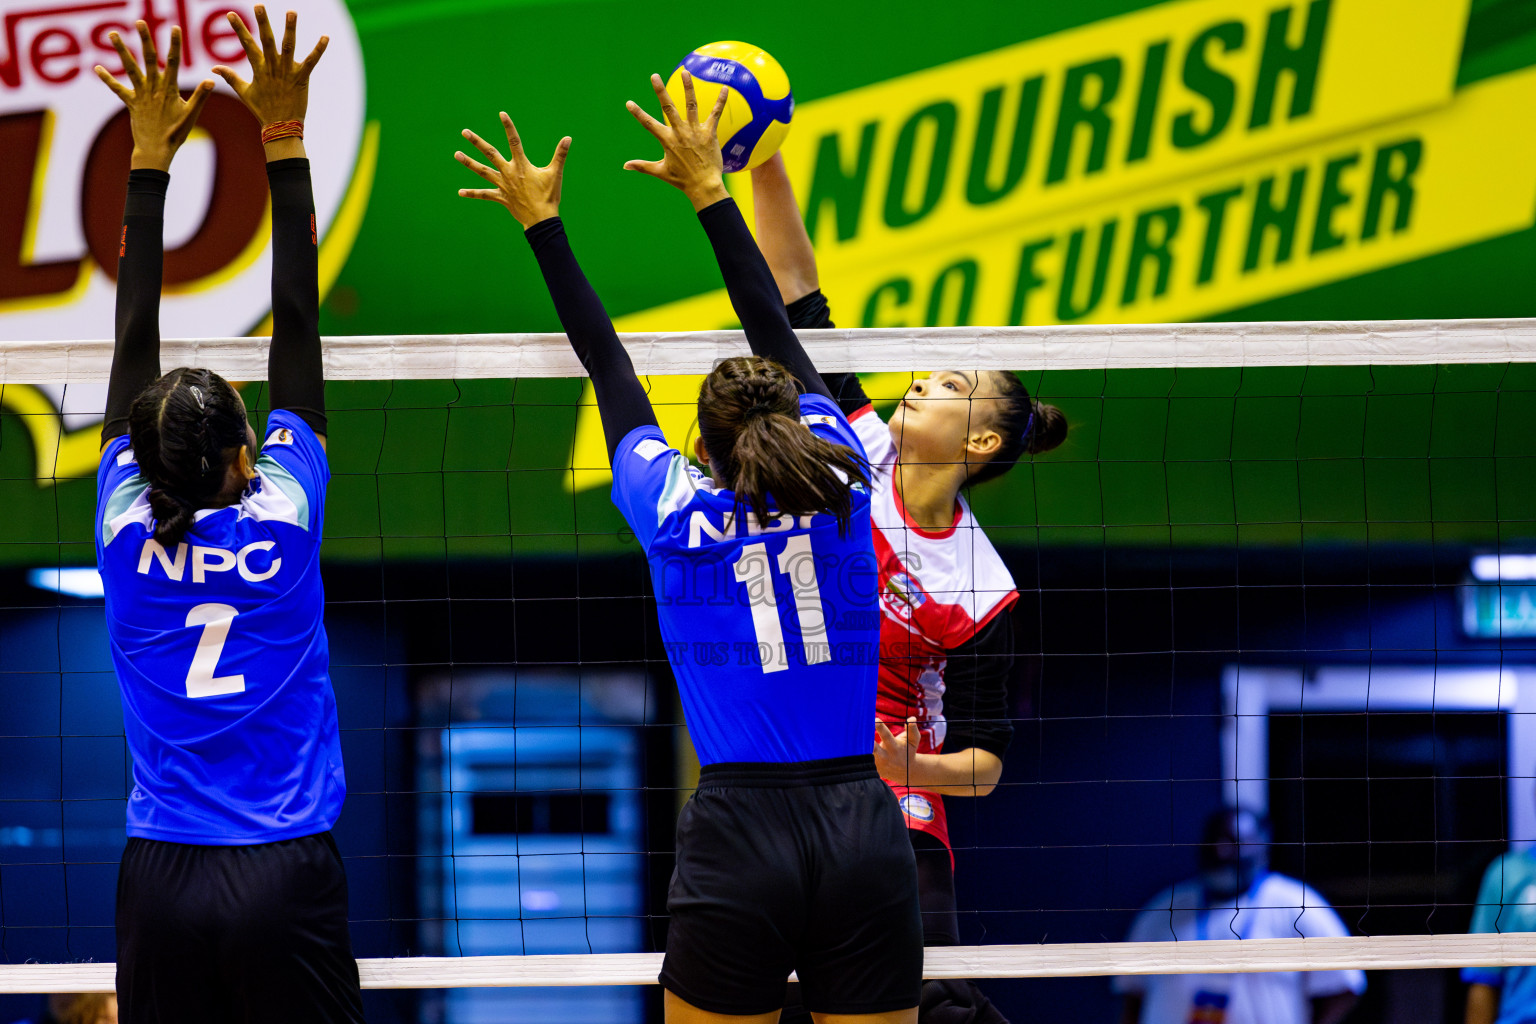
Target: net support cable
{"type": "Point", "coordinates": [863, 350]}
{"type": "Point", "coordinates": [1048, 960]}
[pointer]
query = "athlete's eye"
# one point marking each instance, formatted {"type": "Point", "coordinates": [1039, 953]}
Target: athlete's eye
{"type": "Point", "coordinates": [951, 385]}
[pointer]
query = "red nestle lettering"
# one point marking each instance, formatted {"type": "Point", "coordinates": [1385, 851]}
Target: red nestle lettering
{"type": "Point", "coordinates": [10, 66]}
{"type": "Point", "coordinates": [221, 42]}
{"type": "Point", "coordinates": [42, 54]}
{"type": "Point", "coordinates": [57, 52]}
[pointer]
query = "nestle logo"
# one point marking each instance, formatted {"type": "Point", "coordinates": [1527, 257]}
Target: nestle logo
{"type": "Point", "coordinates": [55, 43]}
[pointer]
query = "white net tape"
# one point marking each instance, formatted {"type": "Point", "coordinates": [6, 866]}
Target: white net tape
{"type": "Point", "coordinates": [1054, 960]}
{"type": "Point", "coordinates": [866, 350]}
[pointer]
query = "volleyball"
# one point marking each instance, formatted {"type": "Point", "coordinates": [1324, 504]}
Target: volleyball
{"type": "Point", "coordinates": [758, 112]}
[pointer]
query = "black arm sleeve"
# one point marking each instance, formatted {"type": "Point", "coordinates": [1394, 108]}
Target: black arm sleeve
{"type": "Point", "coordinates": [136, 353]}
{"type": "Point", "coordinates": [811, 313]}
{"type": "Point", "coordinates": [294, 367]}
{"type": "Point", "coordinates": [754, 295]}
{"type": "Point", "coordinates": [976, 678]}
{"type": "Point", "coordinates": [621, 399]}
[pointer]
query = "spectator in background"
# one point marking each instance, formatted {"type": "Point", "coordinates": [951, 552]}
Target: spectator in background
{"type": "Point", "coordinates": [79, 1008]}
{"type": "Point", "coordinates": [1506, 902]}
{"type": "Point", "coordinates": [1236, 896]}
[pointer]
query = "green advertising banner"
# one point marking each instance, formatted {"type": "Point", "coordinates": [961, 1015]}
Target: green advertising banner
{"type": "Point", "coordinates": [1092, 163]}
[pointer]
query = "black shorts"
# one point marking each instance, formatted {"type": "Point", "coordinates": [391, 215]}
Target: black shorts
{"type": "Point", "coordinates": [235, 934]}
{"type": "Point", "coordinates": [800, 867]}
{"type": "Point", "coordinates": [936, 890]}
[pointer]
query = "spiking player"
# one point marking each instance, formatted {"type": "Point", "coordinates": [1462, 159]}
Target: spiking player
{"type": "Point", "coordinates": [777, 850]}
{"type": "Point", "coordinates": [232, 899]}
{"type": "Point", "coordinates": [946, 641]}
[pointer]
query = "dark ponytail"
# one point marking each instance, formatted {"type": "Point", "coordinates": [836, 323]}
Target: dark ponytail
{"type": "Point", "coordinates": [184, 429]}
{"type": "Point", "coordinates": [749, 418]}
{"type": "Point", "coordinates": [1027, 426]}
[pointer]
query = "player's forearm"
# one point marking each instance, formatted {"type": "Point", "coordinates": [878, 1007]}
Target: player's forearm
{"type": "Point", "coordinates": [781, 232]}
{"type": "Point", "coordinates": [295, 368]}
{"type": "Point", "coordinates": [973, 772]}
{"type": "Point", "coordinates": [141, 258]}
{"type": "Point", "coordinates": [1482, 1004]}
{"type": "Point", "coordinates": [754, 295]}
{"type": "Point", "coordinates": [621, 399]}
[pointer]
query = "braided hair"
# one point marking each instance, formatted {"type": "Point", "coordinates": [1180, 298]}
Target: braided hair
{"type": "Point", "coordinates": [185, 428]}
{"type": "Point", "coordinates": [749, 418]}
{"type": "Point", "coordinates": [1026, 425]}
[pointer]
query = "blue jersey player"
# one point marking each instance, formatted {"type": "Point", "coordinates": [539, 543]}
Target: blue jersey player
{"type": "Point", "coordinates": [231, 898]}
{"type": "Point", "coordinates": [764, 575]}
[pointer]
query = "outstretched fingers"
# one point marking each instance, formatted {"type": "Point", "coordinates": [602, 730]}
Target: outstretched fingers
{"type": "Point", "coordinates": [668, 108]}
{"type": "Point", "coordinates": [290, 31]}
{"type": "Point", "coordinates": [130, 66]}
{"type": "Point", "coordinates": [713, 124]}
{"type": "Point", "coordinates": [492, 194]}
{"type": "Point", "coordinates": [646, 120]}
{"type": "Point", "coordinates": [234, 81]}
{"type": "Point", "coordinates": [514, 140]}
{"type": "Point", "coordinates": [151, 55]}
{"type": "Point", "coordinates": [173, 59]}
{"type": "Point", "coordinates": [314, 57]}
{"type": "Point", "coordinates": [252, 54]}
{"type": "Point", "coordinates": [264, 26]}
{"type": "Point", "coordinates": [123, 92]}
{"type": "Point", "coordinates": [655, 168]}
{"type": "Point", "coordinates": [690, 98]}
{"type": "Point", "coordinates": [557, 162]}
{"type": "Point", "coordinates": [479, 168]}
{"type": "Point", "coordinates": [194, 108]}
{"type": "Point", "coordinates": [487, 150]}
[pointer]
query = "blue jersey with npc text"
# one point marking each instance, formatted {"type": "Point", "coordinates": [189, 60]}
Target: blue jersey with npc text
{"type": "Point", "coordinates": [772, 629]}
{"type": "Point", "coordinates": [220, 650]}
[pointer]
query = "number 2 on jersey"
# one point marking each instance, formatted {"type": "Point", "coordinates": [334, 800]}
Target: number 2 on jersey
{"type": "Point", "coordinates": [797, 562]}
{"type": "Point", "coordinates": [201, 681]}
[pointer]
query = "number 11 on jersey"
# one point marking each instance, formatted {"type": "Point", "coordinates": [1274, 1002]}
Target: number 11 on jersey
{"type": "Point", "coordinates": [798, 563]}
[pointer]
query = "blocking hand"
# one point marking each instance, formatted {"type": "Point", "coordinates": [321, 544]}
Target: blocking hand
{"type": "Point", "coordinates": [529, 193]}
{"type": "Point", "coordinates": [161, 118]}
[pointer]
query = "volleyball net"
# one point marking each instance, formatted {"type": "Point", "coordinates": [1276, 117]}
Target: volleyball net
{"type": "Point", "coordinates": [1287, 566]}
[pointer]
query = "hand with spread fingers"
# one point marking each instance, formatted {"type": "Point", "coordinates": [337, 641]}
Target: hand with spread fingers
{"type": "Point", "coordinates": [160, 116]}
{"type": "Point", "coordinates": [531, 194]}
{"type": "Point", "coordinates": [278, 91]}
{"type": "Point", "coordinates": [691, 158]}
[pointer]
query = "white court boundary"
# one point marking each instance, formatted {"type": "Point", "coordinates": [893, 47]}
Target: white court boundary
{"type": "Point", "coordinates": [472, 356]}
{"type": "Point", "coordinates": [1052, 960]}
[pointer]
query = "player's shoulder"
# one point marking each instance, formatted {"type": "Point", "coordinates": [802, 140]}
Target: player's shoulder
{"type": "Point", "coordinates": [287, 431]}
{"type": "Point", "coordinates": [823, 416]}
{"type": "Point", "coordinates": [653, 479]}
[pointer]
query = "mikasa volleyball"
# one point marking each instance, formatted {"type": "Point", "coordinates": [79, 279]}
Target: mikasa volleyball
{"type": "Point", "coordinates": [760, 106]}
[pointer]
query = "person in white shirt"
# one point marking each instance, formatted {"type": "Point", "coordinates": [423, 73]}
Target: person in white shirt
{"type": "Point", "coordinates": [1236, 896]}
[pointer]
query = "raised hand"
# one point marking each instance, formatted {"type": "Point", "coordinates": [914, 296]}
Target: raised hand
{"type": "Point", "coordinates": [160, 117]}
{"type": "Point", "coordinates": [529, 193]}
{"type": "Point", "coordinates": [691, 158]}
{"type": "Point", "coordinates": [279, 87]}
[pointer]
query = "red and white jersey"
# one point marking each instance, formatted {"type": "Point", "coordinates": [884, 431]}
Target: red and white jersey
{"type": "Point", "coordinates": [938, 588]}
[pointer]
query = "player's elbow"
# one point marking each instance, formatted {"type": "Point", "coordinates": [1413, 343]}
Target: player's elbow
{"type": "Point", "coordinates": [988, 772]}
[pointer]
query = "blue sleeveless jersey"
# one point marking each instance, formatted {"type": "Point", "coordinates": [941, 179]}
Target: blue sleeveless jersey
{"type": "Point", "coordinates": [220, 651]}
{"type": "Point", "coordinates": [772, 629]}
